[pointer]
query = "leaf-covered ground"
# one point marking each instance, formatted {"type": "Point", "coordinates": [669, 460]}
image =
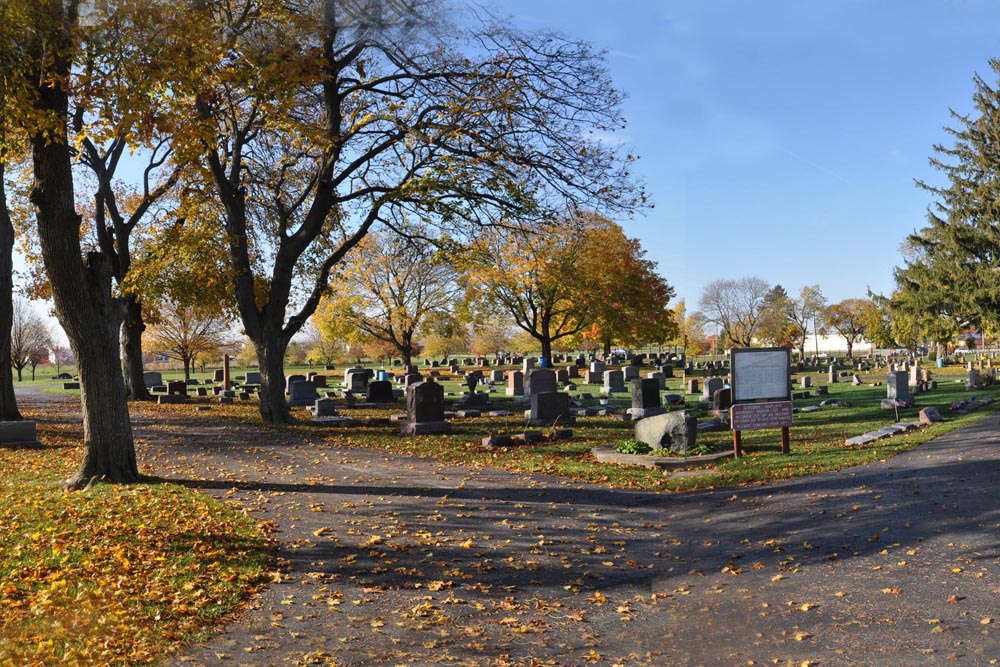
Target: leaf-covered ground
{"type": "Point", "coordinates": [388, 559]}
{"type": "Point", "coordinates": [112, 575]}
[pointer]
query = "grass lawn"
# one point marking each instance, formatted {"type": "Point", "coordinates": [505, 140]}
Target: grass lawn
{"type": "Point", "coordinates": [116, 575]}
{"type": "Point", "coordinates": [817, 439]}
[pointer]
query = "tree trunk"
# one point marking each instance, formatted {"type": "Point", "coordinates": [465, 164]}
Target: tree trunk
{"type": "Point", "coordinates": [271, 359]}
{"type": "Point", "coordinates": [109, 450]}
{"type": "Point", "coordinates": [131, 351]}
{"type": "Point", "coordinates": [8, 402]}
{"type": "Point", "coordinates": [546, 352]}
{"type": "Point", "coordinates": [20, 368]}
{"type": "Point", "coordinates": [81, 289]}
{"type": "Point", "coordinates": [187, 368]}
{"type": "Point", "coordinates": [607, 349]}
{"type": "Point", "coordinates": [850, 349]}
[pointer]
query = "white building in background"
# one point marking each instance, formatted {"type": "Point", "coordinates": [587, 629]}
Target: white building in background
{"type": "Point", "coordinates": [836, 345]}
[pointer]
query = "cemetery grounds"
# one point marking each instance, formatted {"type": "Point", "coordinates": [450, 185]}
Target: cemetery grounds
{"type": "Point", "coordinates": [127, 575]}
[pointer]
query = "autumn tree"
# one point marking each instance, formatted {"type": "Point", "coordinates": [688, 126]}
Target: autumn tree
{"type": "Point", "coordinates": [633, 308]}
{"type": "Point", "coordinates": [316, 126]}
{"type": "Point", "coordinates": [775, 326]}
{"type": "Point", "coordinates": [184, 332]}
{"type": "Point", "coordinates": [61, 356]}
{"type": "Point", "coordinates": [549, 283]}
{"type": "Point", "coordinates": [736, 307]}
{"type": "Point", "coordinates": [848, 318]}
{"type": "Point", "coordinates": [47, 50]}
{"type": "Point", "coordinates": [29, 337]}
{"type": "Point", "coordinates": [804, 311]}
{"type": "Point", "coordinates": [396, 285]}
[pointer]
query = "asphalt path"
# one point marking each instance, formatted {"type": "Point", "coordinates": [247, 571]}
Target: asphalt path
{"type": "Point", "coordinates": [394, 560]}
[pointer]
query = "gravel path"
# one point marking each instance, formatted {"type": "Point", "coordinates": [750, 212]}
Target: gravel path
{"type": "Point", "coordinates": [394, 560]}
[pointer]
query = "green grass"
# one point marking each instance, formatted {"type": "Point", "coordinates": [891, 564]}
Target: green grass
{"type": "Point", "coordinates": [817, 439]}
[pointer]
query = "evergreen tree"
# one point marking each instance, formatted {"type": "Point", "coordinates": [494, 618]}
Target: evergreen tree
{"type": "Point", "coordinates": [950, 270]}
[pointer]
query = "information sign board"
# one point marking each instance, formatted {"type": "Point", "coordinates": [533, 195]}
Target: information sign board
{"type": "Point", "coordinates": [760, 374]}
{"type": "Point", "coordinates": [755, 416]}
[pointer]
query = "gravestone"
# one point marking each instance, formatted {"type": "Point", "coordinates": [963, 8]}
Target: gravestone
{"type": "Point", "coordinates": [676, 431]}
{"type": "Point", "coordinates": [319, 380]}
{"type": "Point", "coordinates": [219, 375]}
{"type": "Point", "coordinates": [973, 382]}
{"type": "Point", "coordinates": [380, 391]}
{"type": "Point", "coordinates": [528, 364]}
{"type": "Point", "coordinates": [722, 400]}
{"type": "Point", "coordinates": [598, 367]}
{"type": "Point", "coordinates": [645, 398]}
{"type": "Point", "coordinates": [19, 434]}
{"type": "Point", "coordinates": [178, 388]}
{"type": "Point", "coordinates": [356, 379]}
{"type": "Point", "coordinates": [540, 380]}
{"type": "Point", "coordinates": [930, 415]}
{"type": "Point", "coordinates": [515, 383]}
{"type": "Point", "coordinates": [549, 408]}
{"type": "Point", "coordinates": [201, 391]}
{"type": "Point", "coordinates": [898, 388]}
{"type": "Point", "coordinates": [693, 386]}
{"type": "Point", "coordinates": [614, 381]}
{"type": "Point", "coordinates": [593, 377]}
{"type": "Point", "coordinates": [831, 375]}
{"type": "Point", "coordinates": [712, 385]}
{"type": "Point", "coordinates": [660, 377]}
{"type": "Point", "coordinates": [562, 376]}
{"type": "Point", "coordinates": [411, 379]}
{"type": "Point", "coordinates": [324, 407]}
{"type": "Point", "coordinates": [253, 377]}
{"type": "Point", "coordinates": [496, 375]}
{"type": "Point", "coordinates": [631, 373]}
{"type": "Point", "coordinates": [293, 378]}
{"type": "Point", "coordinates": [151, 378]}
{"type": "Point", "coordinates": [424, 410]}
{"type": "Point", "coordinates": [805, 382]}
{"type": "Point", "coordinates": [573, 372]}
{"type": "Point", "coordinates": [856, 380]}
{"type": "Point", "coordinates": [302, 392]}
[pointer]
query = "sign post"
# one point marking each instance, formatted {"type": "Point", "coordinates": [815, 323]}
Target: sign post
{"type": "Point", "coordinates": [761, 393]}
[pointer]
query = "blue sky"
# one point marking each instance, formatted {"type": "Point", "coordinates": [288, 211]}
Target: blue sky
{"type": "Point", "coordinates": [782, 138]}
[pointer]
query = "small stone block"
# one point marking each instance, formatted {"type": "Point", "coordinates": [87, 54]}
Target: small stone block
{"type": "Point", "coordinates": [495, 441]}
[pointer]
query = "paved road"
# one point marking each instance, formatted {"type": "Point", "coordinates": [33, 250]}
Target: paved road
{"type": "Point", "coordinates": [390, 560]}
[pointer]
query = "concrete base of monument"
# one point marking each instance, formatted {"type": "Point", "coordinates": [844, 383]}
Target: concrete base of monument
{"type": "Point", "coordinates": [424, 428]}
{"type": "Point", "coordinates": [19, 434]}
{"type": "Point", "coordinates": [607, 454]}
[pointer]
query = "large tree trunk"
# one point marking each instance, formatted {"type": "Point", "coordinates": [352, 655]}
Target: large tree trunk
{"type": "Point", "coordinates": [131, 351]}
{"type": "Point", "coordinates": [81, 290]}
{"type": "Point", "coordinates": [271, 359]}
{"type": "Point", "coordinates": [107, 432]}
{"type": "Point", "coordinates": [8, 402]}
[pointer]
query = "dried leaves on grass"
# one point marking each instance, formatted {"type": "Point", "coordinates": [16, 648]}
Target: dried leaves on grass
{"type": "Point", "coordinates": [116, 575]}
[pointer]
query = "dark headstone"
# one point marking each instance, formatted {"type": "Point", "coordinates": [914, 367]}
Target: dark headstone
{"type": "Point", "coordinates": [178, 388]}
{"type": "Point", "coordinates": [425, 410]}
{"type": "Point", "coordinates": [380, 391]}
{"type": "Point", "coordinates": [539, 380]}
{"type": "Point", "coordinates": [302, 392]}
{"type": "Point", "coordinates": [722, 399]}
{"type": "Point", "coordinates": [549, 407]}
